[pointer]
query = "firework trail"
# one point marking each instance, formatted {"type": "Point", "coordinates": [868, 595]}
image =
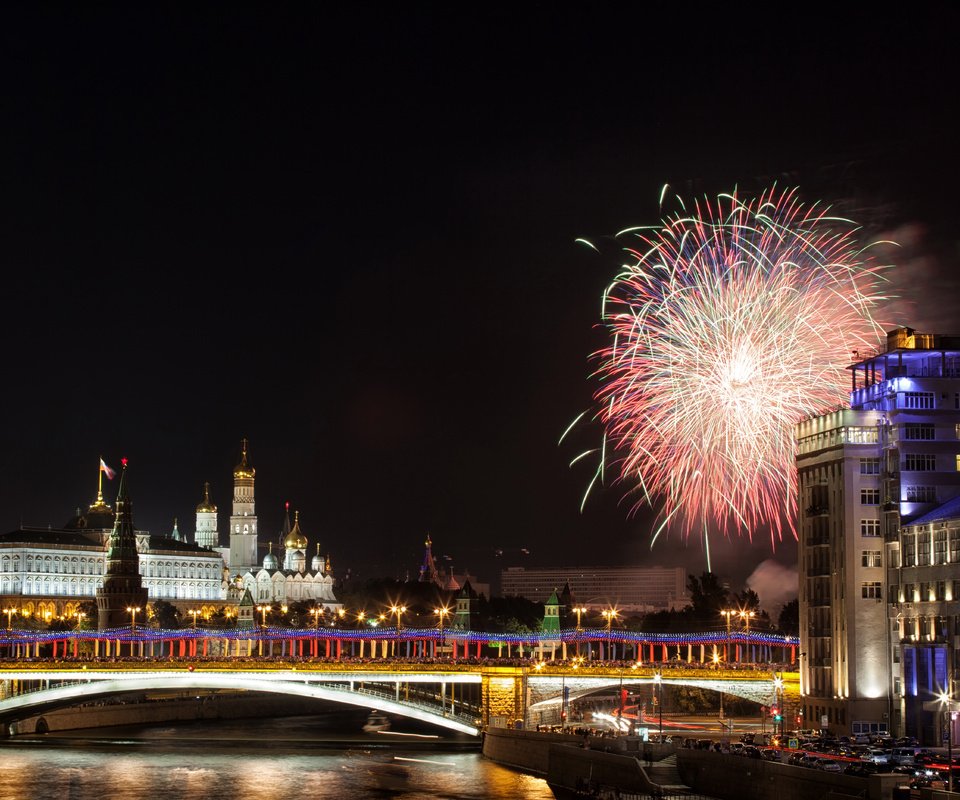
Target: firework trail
{"type": "Point", "coordinates": [729, 325]}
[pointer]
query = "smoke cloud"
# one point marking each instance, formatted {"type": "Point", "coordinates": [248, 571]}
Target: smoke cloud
{"type": "Point", "coordinates": [775, 585]}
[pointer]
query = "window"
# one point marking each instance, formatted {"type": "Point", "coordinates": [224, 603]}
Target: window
{"type": "Point", "coordinates": [940, 546]}
{"type": "Point", "coordinates": [954, 545]}
{"type": "Point", "coordinates": [917, 400]}
{"type": "Point", "coordinates": [862, 435]}
{"type": "Point", "coordinates": [918, 431]}
{"type": "Point", "coordinates": [920, 462]}
{"type": "Point", "coordinates": [869, 497]}
{"type": "Point", "coordinates": [941, 590]}
{"type": "Point", "coordinates": [871, 466]}
{"type": "Point", "coordinates": [870, 558]}
{"type": "Point", "coordinates": [869, 527]}
{"type": "Point", "coordinates": [871, 589]}
{"type": "Point", "coordinates": [909, 551]}
{"type": "Point", "coordinates": [923, 549]}
{"type": "Point", "coordinates": [919, 494]}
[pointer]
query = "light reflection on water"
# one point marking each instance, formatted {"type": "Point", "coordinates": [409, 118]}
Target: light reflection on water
{"type": "Point", "coordinates": [249, 760]}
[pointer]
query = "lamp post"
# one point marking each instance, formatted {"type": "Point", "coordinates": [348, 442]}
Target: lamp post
{"type": "Point", "coordinates": [264, 610]}
{"type": "Point", "coordinates": [9, 612]}
{"type": "Point", "coordinates": [746, 616]}
{"type": "Point", "coordinates": [728, 613]}
{"type": "Point", "coordinates": [658, 679]}
{"type": "Point", "coordinates": [441, 612]}
{"type": "Point", "coordinates": [317, 613]}
{"type": "Point", "coordinates": [578, 611]}
{"type": "Point", "coordinates": [80, 617]}
{"type": "Point", "coordinates": [609, 614]}
{"type": "Point", "coordinates": [398, 610]}
{"type": "Point", "coordinates": [946, 702]}
{"type": "Point", "coordinates": [133, 611]}
{"type": "Point", "coordinates": [194, 613]}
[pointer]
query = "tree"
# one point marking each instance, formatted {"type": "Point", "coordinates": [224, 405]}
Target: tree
{"type": "Point", "coordinates": [708, 597]}
{"type": "Point", "coordinates": [165, 615]}
{"type": "Point", "coordinates": [789, 621]}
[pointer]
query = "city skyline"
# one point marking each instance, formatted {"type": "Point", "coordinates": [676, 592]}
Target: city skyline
{"type": "Point", "coordinates": [352, 242]}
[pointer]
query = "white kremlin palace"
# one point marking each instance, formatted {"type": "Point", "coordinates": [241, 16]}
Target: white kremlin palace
{"type": "Point", "coordinates": [49, 573]}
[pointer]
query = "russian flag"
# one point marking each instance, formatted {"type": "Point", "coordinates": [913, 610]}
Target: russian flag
{"type": "Point", "coordinates": [106, 469]}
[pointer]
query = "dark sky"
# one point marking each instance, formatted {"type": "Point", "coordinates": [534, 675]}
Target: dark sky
{"type": "Point", "coordinates": [347, 233]}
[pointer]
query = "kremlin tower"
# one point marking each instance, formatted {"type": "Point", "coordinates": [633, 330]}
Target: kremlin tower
{"type": "Point", "coordinates": [122, 585]}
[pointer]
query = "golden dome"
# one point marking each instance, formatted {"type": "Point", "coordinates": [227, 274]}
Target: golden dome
{"type": "Point", "coordinates": [295, 539]}
{"type": "Point", "coordinates": [243, 470]}
{"type": "Point", "coordinates": [205, 505]}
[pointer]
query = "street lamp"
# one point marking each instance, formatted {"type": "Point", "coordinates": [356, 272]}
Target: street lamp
{"type": "Point", "coordinates": [398, 610]}
{"type": "Point", "coordinates": [746, 616]}
{"type": "Point", "coordinates": [441, 612]}
{"type": "Point", "coordinates": [9, 612]}
{"type": "Point", "coordinates": [610, 615]}
{"type": "Point", "coordinates": [945, 700]}
{"type": "Point", "coordinates": [578, 611]}
{"type": "Point", "coordinates": [80, 617]}
{"type": "Point", "coordinates": [317, 613]}
{"type": "Point", "coordinates": [194, 613]}
{"type": "Point", "coordinates": [264, 610]}
{"type": "Point", "coordinates": [658, 679]}
{"type": "Point", "coordinates": [133, 611]}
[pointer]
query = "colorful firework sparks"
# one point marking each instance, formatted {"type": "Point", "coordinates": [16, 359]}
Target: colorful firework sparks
{"type": "Point", "coordinates": [730, 324]}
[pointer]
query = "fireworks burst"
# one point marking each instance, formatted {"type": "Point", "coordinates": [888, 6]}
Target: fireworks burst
{"type": "Point", "coordinates": [730, 324]}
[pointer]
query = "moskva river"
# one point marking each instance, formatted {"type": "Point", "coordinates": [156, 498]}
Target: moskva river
{"type": "Point", "coordinates": [295, 758]}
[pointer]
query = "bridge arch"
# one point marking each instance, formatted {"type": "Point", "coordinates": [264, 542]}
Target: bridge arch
{"type": "Point", "coordinates": [83, 690]}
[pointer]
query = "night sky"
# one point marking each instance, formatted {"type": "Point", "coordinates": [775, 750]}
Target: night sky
{"type": "Point", "coordinates": [348, 234]}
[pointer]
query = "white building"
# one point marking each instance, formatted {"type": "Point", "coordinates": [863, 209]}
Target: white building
{"type": "Point", "coordinates": [888, 460]}
{"type": "Point", "coordinates": [293, 582]}
{"type": "Point", "coordinates": [49, 572]}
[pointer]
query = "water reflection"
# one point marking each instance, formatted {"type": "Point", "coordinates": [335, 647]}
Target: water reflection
{"type": "Point", "coordinates": [254, 759]}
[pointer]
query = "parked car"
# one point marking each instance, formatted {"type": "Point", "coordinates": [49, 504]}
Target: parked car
{"type": "Point", "coordinates": [828, 765]}
{"type": "Point", "coordinates": [875, 756]}
{"type": "Point", "coordinates": [750, 751]}
{"type": "Point", "coordinates": [905, 756]}
{"type": "Point", "coordinates": [770, 754]}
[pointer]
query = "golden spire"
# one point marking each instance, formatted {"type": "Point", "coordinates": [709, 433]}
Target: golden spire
{"type": "Point", "coordinates": [243, 469]}
{"type": "Point", "coordinates": [205, 505]}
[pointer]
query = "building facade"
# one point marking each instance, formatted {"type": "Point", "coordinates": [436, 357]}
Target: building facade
{"type": "Point", "coordinates": [48, 573]}
{"type": "Point", "coordinates": [865, 474]}
{"type": "Point", "coordinates": [627, 588]}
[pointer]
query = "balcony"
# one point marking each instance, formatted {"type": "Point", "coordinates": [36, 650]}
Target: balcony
{"type": "Point", "coordinates": [817, 511]}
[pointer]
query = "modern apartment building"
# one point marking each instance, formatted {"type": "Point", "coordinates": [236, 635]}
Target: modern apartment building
{"type": "Point", "coordinates": [626, 588]}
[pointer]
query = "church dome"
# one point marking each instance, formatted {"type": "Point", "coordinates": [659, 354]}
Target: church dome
{"type": "Point", "coordinates": [243, 469]}
{"type": "Point", "coordinates": [316, 565]}
{"type": "Point", "coordinates": [295, 539]}
{"type": "Point", "coordinates": [270, 560]}
{"type": "Point", "coordinates": [205, 506]}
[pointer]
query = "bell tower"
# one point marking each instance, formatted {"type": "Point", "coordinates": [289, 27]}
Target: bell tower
{"type": "Point", "coordinates": [243, 520]}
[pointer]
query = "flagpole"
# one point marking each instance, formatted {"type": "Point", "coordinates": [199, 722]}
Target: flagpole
{"type": "Point", "coordinates": [100, 481]}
